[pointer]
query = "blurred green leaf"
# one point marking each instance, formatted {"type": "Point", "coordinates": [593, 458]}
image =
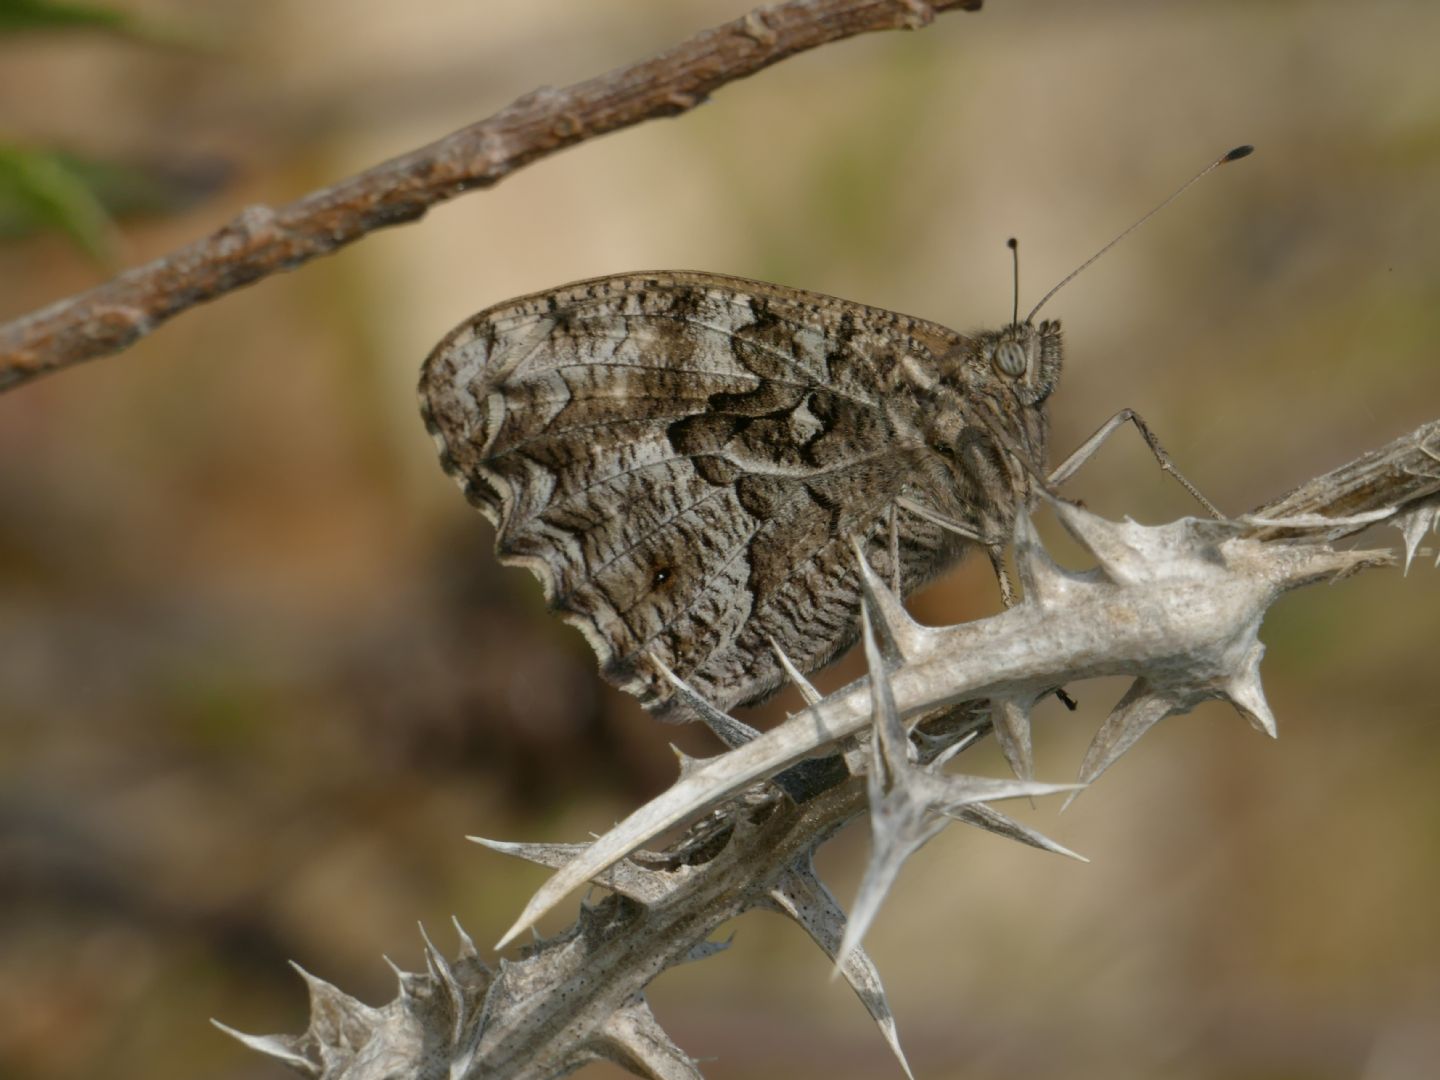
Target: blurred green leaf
{"type": "Point", "coordinates": [156, 187]}
{"type": "Point", "coordinates": [124, 189]}
{"type": "Point", "coordinates": [22, 16]}
{"type": "Point", "coordinates": [17, 15]}
{"type": "Point", "coordinates": [39, 189]}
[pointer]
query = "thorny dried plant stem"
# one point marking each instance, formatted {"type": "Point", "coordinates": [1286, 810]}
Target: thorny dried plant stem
{"type": "Point", "coordinates": [1149, 625]}
{"type": "Point", "coordinates": [263, 240]}
{"type": "Point", "coordinates": [579, 996]}
{"type": "Point", "coordinates": [671, 931]}
{"type": "Point", "coordinates": [1400, 475]}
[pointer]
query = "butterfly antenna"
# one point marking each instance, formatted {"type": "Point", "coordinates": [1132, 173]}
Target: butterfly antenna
{"type": "Point", "coordinates": [1014, 246]}
{"type": "Point", "coordinates": [1229, 156]}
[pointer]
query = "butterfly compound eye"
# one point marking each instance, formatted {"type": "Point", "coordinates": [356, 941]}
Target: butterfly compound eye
{"type": "Point", "coordinates": [1010, 359]}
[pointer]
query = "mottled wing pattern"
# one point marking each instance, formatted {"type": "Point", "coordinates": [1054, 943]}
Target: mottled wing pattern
{"type": "Point", "coordinates": [681, 459]}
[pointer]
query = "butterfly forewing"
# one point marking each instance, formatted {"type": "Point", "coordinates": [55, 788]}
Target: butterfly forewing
{"type": "Point", "coordinates": [682, 459]}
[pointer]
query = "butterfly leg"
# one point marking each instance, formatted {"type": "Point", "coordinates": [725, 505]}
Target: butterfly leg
{"type": "Point", "coordinates": [1087, 449]}
{"type": "Point", "coordinates": [895, 549]}
{"type": "Point", "coordinates": [996, 551]}
{"type": "Point", "coordinates": [992, 545]}
{"type": "Point", "coordinates": [997, 561]}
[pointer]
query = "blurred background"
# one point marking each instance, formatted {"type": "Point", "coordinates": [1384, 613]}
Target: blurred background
{"type": "Point", "coordinates": [260, 674]}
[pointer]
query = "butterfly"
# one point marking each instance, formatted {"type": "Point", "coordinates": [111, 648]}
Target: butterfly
{"type": "Point", "coordinates": [687, 460]}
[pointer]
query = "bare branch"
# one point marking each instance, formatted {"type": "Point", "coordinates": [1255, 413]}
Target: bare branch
{"type": "Point", "coordinates": [263, 240]}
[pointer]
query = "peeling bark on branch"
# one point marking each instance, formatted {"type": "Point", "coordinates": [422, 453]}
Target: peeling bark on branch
{"type": "Point", "coordinates": [263, 240]}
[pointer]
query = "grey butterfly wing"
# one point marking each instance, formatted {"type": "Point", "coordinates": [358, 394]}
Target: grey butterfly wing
{"type": "Point", "coordinates": [682, 459]}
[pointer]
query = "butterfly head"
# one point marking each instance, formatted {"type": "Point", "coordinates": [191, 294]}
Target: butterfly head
{"type": "Point", "coordinates": [1024, 358]}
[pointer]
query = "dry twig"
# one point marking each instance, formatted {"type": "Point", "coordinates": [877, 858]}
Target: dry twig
{"type": "Point", "coordinates": [262, 240]}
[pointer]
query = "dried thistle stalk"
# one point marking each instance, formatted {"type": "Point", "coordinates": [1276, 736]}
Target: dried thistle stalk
{"type": "Point", "coordinates": [1178, 607]}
